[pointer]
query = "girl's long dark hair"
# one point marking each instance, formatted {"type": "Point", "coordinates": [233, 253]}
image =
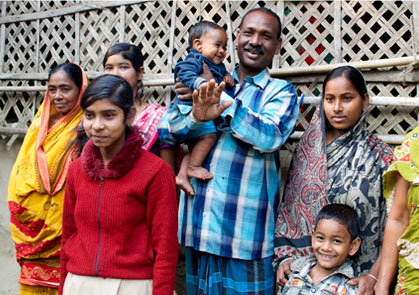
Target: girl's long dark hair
{"type": "Point", "coordinates": [132, 53]}
{"type": "Point", "coordinates": [113, 88]}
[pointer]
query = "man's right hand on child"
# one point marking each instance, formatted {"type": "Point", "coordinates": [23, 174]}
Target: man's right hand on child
{"type": "Point", "coordinates": [206, 72]}
{"type": "Point", "coordinates": [284, 270]}
{"type": "Point", "coordinates": [183, 92]}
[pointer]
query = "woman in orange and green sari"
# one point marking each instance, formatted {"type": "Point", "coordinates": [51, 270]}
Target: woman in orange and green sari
{"type": "Point", "coordinates": [37, 181]}
{"type": "Point", "coordinates": [401, 235]}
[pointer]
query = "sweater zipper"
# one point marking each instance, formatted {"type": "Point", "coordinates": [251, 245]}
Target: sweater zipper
{"type": "Point", "coordinates": [100, 228]}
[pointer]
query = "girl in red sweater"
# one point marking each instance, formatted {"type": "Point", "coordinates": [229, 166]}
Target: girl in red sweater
{"type": "Point", "coordinates": [120, 208]}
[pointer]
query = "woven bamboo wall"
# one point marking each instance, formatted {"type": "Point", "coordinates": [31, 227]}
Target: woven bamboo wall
{"type": "Point", "coordinates": [36, 35]}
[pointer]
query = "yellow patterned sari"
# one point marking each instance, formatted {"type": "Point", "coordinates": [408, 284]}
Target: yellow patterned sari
{"type": "Point", "coordinates": [36, 196]}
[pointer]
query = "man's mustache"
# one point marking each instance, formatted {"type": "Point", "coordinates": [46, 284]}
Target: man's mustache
{"type": "Point", "coordinates": [258, 49]}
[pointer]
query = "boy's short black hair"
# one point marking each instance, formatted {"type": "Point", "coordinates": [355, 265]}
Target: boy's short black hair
{"type": "Point", "coordinates": [200, 29]}
{"type": "Point", "coordinates": [343, 214]}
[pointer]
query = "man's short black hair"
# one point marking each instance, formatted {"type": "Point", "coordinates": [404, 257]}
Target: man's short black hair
{"type": "Point", "coordinates": [343, 214]}
{"type": "Point", "coordinates": [268, 11]}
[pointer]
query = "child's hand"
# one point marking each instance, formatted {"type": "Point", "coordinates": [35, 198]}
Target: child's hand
{"type": "Point", "coordinates": [229, 81]}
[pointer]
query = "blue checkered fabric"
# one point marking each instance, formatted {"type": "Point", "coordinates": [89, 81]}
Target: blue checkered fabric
{"type": "Point", "coordinates": [233, 214]}
{"type": "Point", "coordinates": [215, 275]}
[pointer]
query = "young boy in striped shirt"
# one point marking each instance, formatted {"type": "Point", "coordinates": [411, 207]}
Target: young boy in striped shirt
{"type": "Point", "coordinates": [335, 238]}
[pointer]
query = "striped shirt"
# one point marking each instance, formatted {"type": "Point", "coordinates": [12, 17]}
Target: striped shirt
{"type": "Point", "coordinates": [233, 214]}
{"type": "Point", "coordinates": [300, 282]}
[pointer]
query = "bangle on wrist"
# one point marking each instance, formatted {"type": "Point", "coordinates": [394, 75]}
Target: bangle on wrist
{"type": "Point", "coordinates": [372, 276]}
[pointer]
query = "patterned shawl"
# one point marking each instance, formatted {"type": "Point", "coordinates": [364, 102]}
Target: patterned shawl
{"type": "Point", "coordinates": [36, 193]}
{"type": "Point", "coordinates": [147, 122]}
{"type": "Point", "coordinates": [347, 171]}
{"type": "Point", "coordinates": [406, 164]}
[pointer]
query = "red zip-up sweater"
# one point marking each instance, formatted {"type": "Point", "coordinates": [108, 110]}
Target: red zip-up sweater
{"type": "Point", "coordinates": [120, 221]}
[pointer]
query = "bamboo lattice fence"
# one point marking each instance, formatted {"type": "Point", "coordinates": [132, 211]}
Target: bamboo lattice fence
{"type": "Point", "coordinates": [380, 37]}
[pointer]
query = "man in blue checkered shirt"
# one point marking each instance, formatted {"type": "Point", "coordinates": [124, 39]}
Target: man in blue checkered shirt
{"type": "Point", "coordinates": [227, 227]}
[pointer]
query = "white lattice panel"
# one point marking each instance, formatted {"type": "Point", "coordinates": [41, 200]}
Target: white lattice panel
{"type": "Point", "coordinates": [57, 42]}
{"type": "Point", "coordinates": [20, 53]}
{"type": "Point", "coordinates": [21, 7]}
{"type": "Point", "coordinates": [376, 29]}
{"type": "Point", "coordinates": [308, 33]}
{"type": "Point", "coordinates": [99, 30]}
{"type": "Point", "coordinates": [152, 35]}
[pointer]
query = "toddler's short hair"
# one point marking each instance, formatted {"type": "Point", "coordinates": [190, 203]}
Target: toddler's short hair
{"type": "Point", "coordinates": [200, 29]}
{"type": "Point", "coordinates": [343, 214]}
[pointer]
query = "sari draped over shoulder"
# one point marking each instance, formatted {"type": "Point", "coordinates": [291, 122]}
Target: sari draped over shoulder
{"type": "Point", "coordinates": [146, 123]}
{"type": "Point", "coordinates": [346, 171]}
{"type": "Point", "coordinates": [36, 193]}
{"type": "Point", "coordinates": [406, 164]}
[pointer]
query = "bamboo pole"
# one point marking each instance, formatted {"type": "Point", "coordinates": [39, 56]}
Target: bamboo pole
{"type": "Point", "coordinates": [38, 37]}
{"type": "Point", "coordinates": [230, 33]}
{"type": "Point", "coordinates": [172, 36]}
{"type": "Point", "coordinates": [361, 65]}
{"type": "Point", "coordinates": [150, 80]}
{"type": "Point", "coordinates": [415, 27]}
{"type": "Point", "coordinates": [12, 130]}
{"type": "Point", "coordinates": [337, 38]}
{"type": "Point", "coordinates": [22, 88]}
{"type": "Point", "coordinates": [37, 58]}
{"type": "Point", "coordinates": [390, 139]}
{"type": "Point", "coordinates": [67, 10]}
{"type": "Point", "coordinates": [122, 24]}
{"type": "Point", "coordinates": [376, 100]}
{"type": "Point", "coordinates": [280, 7]}
{"type": "Point", "coordinates": [3, 36]}
{"type": "Point", "coordinates": [77, 36]}
{"type": "Point", "coordinates": [166, 79]}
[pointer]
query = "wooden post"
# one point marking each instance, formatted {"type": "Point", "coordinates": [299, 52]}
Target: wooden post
{"type": "Point", "coordinates": [230, 33]}
{"type": "Point", "coordinates": [38, 37]}
{"type": "Point", "coordinates": [172, 36]}
{"type": "Point", "coordinates": [122, 24]}
{"type": "Point", "coordinates": [415, 34]}
{"type": "Point", "coordinates": [38, 41]}
{"type": "Point", "coordinates": [171, 48]}
{"type": "Point", "coordinates": [3, 36]}
{"type": "Point", "coordinates": [337, 36]}
{"type": "Point", "coordinates": [415, 28]}
{"type": "Point", "coordinates": [77, 37]}
{"type": "Point", "coordinates": [280, 11]}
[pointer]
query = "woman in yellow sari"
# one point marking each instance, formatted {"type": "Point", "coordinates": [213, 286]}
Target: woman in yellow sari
{"type": "Point", "coordinates": [37, 181]}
